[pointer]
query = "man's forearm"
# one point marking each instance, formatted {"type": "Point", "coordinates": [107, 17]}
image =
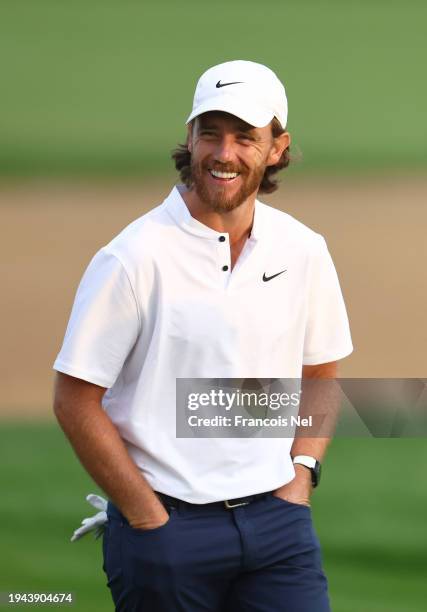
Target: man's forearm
{"type": "Point", "coordinates": [102, 452]}
{"type": "Point", "coordinates": [313, 447]}
{"type": "Point", "coordinates": [321, 400]}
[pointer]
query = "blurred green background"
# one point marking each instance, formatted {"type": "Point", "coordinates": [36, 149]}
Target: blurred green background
{"type": "Point", "coordinates": [105, 87]}
{"type": "Point", "coordinates": [102, 89]}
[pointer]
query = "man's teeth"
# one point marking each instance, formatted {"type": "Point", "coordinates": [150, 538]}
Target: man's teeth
{"type": "Point", "coordinates": [224, 175]}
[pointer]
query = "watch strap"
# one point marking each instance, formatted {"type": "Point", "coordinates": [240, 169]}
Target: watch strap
{"type": "Point", "coordinates": [306, 460]}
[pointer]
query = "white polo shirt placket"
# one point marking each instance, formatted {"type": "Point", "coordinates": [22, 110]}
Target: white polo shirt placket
{"type": "Point", "coordinates": [228, 278]}
{"type": "Point", "coordinates": [224, 258]}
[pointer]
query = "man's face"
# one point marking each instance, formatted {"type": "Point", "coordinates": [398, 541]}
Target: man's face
{"type": "Point", "coordinates": [228, 159]}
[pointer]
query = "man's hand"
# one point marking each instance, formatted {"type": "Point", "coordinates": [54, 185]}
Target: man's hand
{"type": "Point", "coordinates": [150, 522]}
{"type": "Point", "coordinates": [298, 491]}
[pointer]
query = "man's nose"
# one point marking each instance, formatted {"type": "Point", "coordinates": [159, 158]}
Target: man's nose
{"type": "Point", "coordinates": [224, 151]}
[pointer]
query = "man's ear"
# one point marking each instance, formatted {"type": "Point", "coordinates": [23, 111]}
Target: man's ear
{"type": "Point", "coordinates": [280, 143]}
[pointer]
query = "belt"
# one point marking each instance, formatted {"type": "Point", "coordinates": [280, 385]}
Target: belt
{"type": "Point", "coordinates": [229, 504]}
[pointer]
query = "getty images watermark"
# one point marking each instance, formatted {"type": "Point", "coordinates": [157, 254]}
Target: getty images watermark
{"type": "Point", "coordinates": [271, 408]}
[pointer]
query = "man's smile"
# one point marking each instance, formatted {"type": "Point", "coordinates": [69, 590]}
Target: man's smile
{"type": "Point", "coordinates": [223, 177]}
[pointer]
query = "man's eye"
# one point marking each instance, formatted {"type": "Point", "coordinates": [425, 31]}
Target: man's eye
{"type": "Point", "coordinates": [245, 137]}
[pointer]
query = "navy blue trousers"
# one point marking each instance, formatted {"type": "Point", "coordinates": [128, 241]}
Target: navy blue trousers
{"type": "Point", "coordinates": [264, 557]}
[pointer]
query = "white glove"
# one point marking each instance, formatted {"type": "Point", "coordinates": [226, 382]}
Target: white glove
{"type": "Point", "coordinates": [94, 523]}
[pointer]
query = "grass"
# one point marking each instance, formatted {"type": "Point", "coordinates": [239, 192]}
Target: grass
{"type": "Point", "coordinates": [43, 501]}
{"type": "Point", "coordinates": [105, 87]}
{"type": "Point", "coordinates": [369, 514]}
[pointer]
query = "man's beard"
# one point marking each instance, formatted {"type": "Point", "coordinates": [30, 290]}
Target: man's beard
{"type": "Point", "coordinates": [220, 200]}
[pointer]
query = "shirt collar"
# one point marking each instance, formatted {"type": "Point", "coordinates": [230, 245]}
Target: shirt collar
{"type": "Point", "coordinates": [177, 208]}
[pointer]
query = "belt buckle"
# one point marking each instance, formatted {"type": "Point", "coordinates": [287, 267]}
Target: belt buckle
{"type": "Point", "coordinates": [230, 506]}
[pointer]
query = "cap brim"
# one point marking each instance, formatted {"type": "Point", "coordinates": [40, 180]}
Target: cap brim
{"type": "Point", "coordinates": [246, 111]}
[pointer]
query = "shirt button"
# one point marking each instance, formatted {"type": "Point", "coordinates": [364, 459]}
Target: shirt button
{"type": "Point", "coordinates": [224, 268]}
{"type": "Point", "coordinates": [221, 238]}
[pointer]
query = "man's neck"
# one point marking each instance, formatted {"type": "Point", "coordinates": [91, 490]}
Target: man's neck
{"type": "Point", "coordinates": [237, 223]}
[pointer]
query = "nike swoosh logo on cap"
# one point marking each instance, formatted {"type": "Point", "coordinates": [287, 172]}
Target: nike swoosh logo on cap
{"type": "Point", "coordinates": [219, 84]}
{"type": "Point", "coordinates": [268, 278]}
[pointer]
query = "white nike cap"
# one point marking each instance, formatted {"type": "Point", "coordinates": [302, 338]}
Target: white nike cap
{"type": "Point", "coordinates": [245, 89]}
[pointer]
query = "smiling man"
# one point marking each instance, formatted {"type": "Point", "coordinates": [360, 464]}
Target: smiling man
{"type": "Point", "coordinates": [211, 284]}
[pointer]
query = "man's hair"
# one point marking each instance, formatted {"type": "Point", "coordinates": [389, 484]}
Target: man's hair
{"type": "Point", "coordinates": [182, 157]}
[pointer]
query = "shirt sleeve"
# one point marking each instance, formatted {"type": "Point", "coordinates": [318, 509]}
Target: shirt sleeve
{"type": "Point", "coordinates": [327, 336]}
{"type": "Point", "coordinates": [104, 323]}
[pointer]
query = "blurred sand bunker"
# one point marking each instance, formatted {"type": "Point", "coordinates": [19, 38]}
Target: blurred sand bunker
{"type": "Point", "coordinates": [375, 228]}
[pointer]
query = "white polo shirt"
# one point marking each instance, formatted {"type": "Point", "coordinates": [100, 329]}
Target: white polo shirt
{"type": "Point", "coordinates": [159, 302]}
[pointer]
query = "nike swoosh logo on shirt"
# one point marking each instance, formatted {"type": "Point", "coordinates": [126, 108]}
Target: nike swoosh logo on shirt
{"type": "Point", "coordinates": [268, 278]}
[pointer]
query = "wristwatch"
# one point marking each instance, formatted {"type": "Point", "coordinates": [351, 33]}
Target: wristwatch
{"type": "Point", "coordinates": [312, 464]}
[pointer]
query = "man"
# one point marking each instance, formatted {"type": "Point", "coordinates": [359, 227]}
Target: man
{"type": "Point", "coordinates": [210, 284]}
